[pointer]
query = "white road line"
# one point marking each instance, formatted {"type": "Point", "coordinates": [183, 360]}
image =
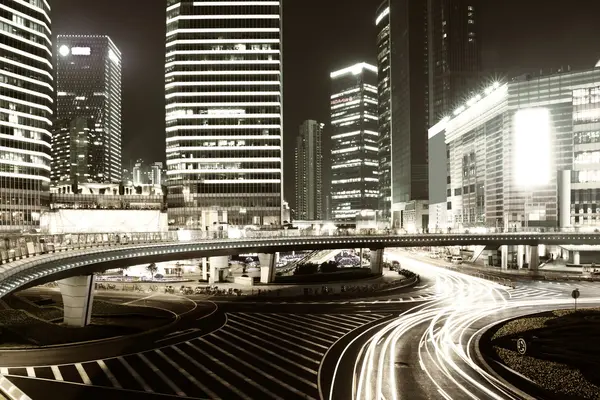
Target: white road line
{"type": "Point", "coordinates": [291, 322]}
{"type": "Point", "coordinates": [262, 332]}
{"type": "Point", "coordinates": [158, 372]}
{"type": "Point", "coordinates": [316, 320]}
{"type": "Point", "coordinates": [30, 372]}
{"type": "Point", "coordinates": [341, 319]}
{"type": "Point", "coordinates": [211, 374]}
{"type": "Point", "coordinates": [135, 375]}
{"type": "Point", "coordinates": [275, 327]}
{"type": "Point", "coordinates": [143, 298]}
{"type": "Point", "coordinates": [109, 374]}
{"type": "Point", "coordinates": [84, 376]}
{"type": "Point", "coordinates": [57, 375]}
{"type": "Point", "coordinates": [309, 370]}
{"type": "Point", "coordinates": [234, 371]}
{"type": "Point", "coordinates": [183, 372]}
{"type": "Point", "coordinates": [411, 299]}
{"type": "Point", "coordinates": [4, 371]}
{"type": "Point", "coordinates": [270, 343]}
{"type": "Point", "coordinates": [248, 365]}
{"type": "Point", "coordinates": [360, 318]}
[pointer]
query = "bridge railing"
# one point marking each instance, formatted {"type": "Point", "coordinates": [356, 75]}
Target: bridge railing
{"type": "Point", "coordinates": [14, 247]}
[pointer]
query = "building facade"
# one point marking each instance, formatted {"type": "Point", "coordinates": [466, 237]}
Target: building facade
{"type": "Point", "coordinates": [224, 104]}
{"type": "Point", "coordinates": [404, 60]}
{"type": "Point", "coordinates": [428, 58]}
{"type": "Point", "coordinates": [354, 155]}
{"type": "Point", "coordinates": [308, 171]}
{"type": "Point", "coordinates": [522, 154]}
{"type": "Point", "coordinates": [87, 137]}
{"type": "Point", "coordinates": [26, 109]}
{"type": "Point", "coordinates": [454, 54]}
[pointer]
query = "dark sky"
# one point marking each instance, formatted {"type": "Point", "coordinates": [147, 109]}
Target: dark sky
{"type": "Point", "coordinates": [320, 36]}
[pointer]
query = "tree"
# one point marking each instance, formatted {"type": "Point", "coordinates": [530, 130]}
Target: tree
{"type": "Point", "coordinates": [152, 268]}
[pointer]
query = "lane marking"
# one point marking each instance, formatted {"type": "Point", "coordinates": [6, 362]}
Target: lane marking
{"type": "Point", "coordinates": [258, 370]}
{"type": "Point", "coordinates": [83, 374]}
{"type": "Point", "coordinates": [143, 298]}
{"type": "Point", "coordinates": [30, 372]}
{"type": "Point", "coordinates": [335, 337]}
{"type": "Point", "coordinates": [57, 375]}
{"type": "Point", "coordinates": [183, 372]}
{"type": "Point", "coordinates": [158, 372]}
{"type": "Point", "coordinates": [211, 374]}
{"type": "Point", "coordinates": [233, 370]}
{"type": "Point", "coordinates": [135, 375]}
{"type": "Point", "coordinates": [4, 371]}
{"type": "Point", "coordinates": [262, 332]}
{"type": "Point", "coordinates": [109, 374]}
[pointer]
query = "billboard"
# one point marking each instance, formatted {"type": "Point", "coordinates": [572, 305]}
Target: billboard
{"type": "Point", "coordinates": [532, 147]}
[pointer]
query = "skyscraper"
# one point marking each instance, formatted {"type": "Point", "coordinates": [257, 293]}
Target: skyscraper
{"type": "Point", "coordinates": [428, 60]}
{"type": "Point", "coordinates": [455, 55]}
{"type": "Point", "coordinates": [87, 140]}
{"type": "Point", "coordinates": [354, 184]}
{"type": "Point", "coordinates": [26, 105]}
{"type": "Point", "coordinates": [308, 168]}
{"type": "Point", "coordinates": [223, 82]}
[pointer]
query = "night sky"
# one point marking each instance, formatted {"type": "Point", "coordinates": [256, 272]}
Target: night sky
{"type": "Point", "coordinates": [321, 36]}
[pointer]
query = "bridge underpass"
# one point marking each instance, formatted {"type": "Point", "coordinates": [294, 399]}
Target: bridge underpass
{"type": "Point", "coordinates": [75, 268]}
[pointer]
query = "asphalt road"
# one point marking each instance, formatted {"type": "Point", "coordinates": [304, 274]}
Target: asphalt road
{"type": "Point", "coordinates": [417, 344]}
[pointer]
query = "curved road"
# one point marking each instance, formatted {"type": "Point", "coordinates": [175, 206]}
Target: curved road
{"type": "Point", "coordinates": [419, 343]}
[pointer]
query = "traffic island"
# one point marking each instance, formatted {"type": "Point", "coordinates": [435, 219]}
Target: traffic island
{"type": "Point", "coordinates": [550, 355]}
{"type": "Point", "coordinates": [24, 324]}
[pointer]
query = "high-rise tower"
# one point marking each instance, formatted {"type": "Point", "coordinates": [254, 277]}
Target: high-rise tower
{"type": "Point", "coordinates": [87, 138]}
{"type": "Point", "coordinates": [428, 60]}
{"type": "Point", "coordinates": [223, 82]}
{"type": "Point", "coordinates": [354, 165]}
{"type": "Point", "coordinates": [308, 169]}
{"type": "Point", "coordinates": [26, 106]}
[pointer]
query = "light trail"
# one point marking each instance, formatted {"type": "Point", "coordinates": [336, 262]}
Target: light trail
{"type": "Point", "coordinates": [446, 328]}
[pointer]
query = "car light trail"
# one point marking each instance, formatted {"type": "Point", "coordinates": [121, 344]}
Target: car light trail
{"type": "Point", "coordinates": [446, 328]}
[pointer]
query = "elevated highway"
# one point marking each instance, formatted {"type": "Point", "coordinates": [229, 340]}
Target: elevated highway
{"type": "Point", "coordinates": [72, 259]}
{"type": "Point", "coordinates": [86, 258]}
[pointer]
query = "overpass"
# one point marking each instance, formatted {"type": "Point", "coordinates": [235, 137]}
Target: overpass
{"type": "Point", "coordinates": [72, 259]}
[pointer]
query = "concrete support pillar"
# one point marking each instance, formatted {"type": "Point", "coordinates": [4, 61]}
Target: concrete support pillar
{"type": "Point", "coordinates": [504, 257]}
{"type": "Point", "coordinates": [267, 267]}
{"type": "Point", "coordinates": [204, 269]}
{"type": "Point", "coordinates": [377, 261]}
{"type": "Point", "coordinates": [534, 262]}
{"type": "Point", "coordinates": [565, 254]}
{"type": "Point", "coordinates": [78, 295]}
{"type": "Point", "coordinates": [520, 255]}
{"type": "Point", "coordinates": [564, 199]}
{"type": "Point", "coordinates": [576, 258]}
{"type": "Point", "coordinates": [216, 264]}
{"type": "Point", "coordinates": [528, 254]}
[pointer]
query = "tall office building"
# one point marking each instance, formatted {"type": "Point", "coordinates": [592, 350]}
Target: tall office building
{"type": "Point", "coordinates": [223, 81]}
{"type": "Point", "coordinates": [308, 168]}
{"type": "Point", "coordinates": [455, 55]}
{"type": "Point", "coordinates": [428, 60]}
{"type": "Point", "coordinates": [26, 105]}
{"type": "Point", "coordinates": [354, 183]}
{"type": "Point", "coordinates": [87, 139]}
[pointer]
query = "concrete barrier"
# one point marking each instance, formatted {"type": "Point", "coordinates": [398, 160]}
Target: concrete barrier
{"type": "Point", "coordinates": [244, 280]}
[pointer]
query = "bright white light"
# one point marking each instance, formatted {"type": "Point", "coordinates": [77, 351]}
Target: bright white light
{"type": "Point", "coordinates": [459, 110]}
{"type": "Point", "coordinates": [355, 69]}
{"type": "Point", "coordinates": [532, 147]}
{"type": "Point", "coordinates": [113, 56]}
{"type": "Point", "coordinates": [381, 16]}
{"type": "Point", "coordinates": [81, 51]}
{"type": "Point", "coordinates": [64, 50]}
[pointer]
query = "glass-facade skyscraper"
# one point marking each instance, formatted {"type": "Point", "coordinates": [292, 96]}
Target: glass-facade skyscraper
{"type": "Point", "coordinates": [354, 164]}
{"type": "Point", "coordinates": [26, 107]}
{"type": "Point", "coordinates": [223, 83]}
{"type": "Point", "coordinates": [87, 137]}
{"type": "Point", "coordinates": [429, 61]}
{"type": "Point", "coordinates": [309, 171]}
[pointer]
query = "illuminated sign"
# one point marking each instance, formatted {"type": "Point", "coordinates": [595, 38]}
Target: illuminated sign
{"type": "Point", "coordinates": [532, 147]}
{"type": "Point", "coordinates": [81, 51]}
{"type": "Point", "coordinates": [64, 50]}
{"type": "Point", "coordinates": [343, 100]}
